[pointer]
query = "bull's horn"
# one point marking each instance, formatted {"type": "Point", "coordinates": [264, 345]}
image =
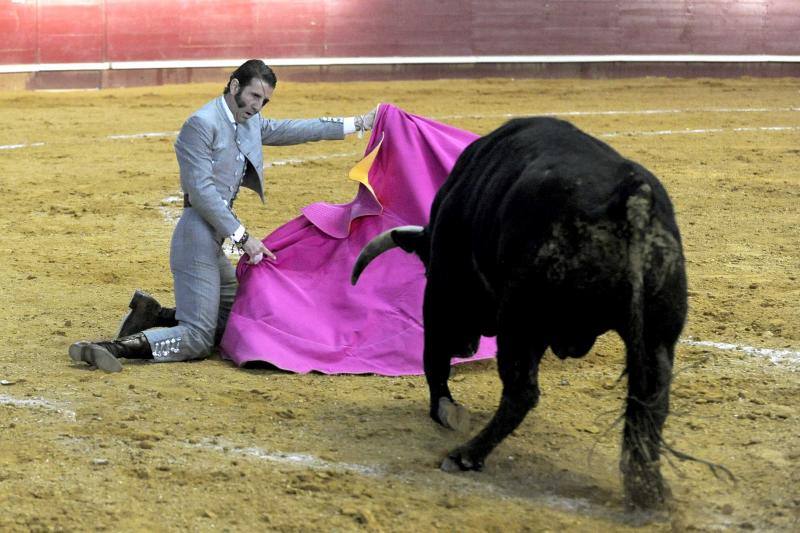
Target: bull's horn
{"type": "Point", "coordinates": [378, 245]}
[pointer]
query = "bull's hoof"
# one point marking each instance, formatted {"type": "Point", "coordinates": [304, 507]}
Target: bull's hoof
{"type": "Point", "coordinates": [453, 415]}
{"type": "Point", "coordinates": [645, 489]}
{"type": "Point", "coordinates": [458, 461]}
{"type": "Point", "coordinates": [654, 497]}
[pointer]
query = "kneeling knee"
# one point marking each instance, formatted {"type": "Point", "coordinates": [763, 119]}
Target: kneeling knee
{"type": "Point", "coordinates": [199, 344]}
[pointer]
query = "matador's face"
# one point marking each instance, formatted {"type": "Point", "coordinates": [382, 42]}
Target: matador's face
{"type": "Point", "coordinates": [249, 99]}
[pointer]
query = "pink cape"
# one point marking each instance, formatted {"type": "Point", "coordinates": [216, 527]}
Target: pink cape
{"type": "Point", "coordinates": [302, 314]}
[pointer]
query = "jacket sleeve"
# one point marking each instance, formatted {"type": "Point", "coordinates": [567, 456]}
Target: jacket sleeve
{"type": "Point", "coordinates": [194, 148]}
{"type": "Point", "coordinates": [297, 131]}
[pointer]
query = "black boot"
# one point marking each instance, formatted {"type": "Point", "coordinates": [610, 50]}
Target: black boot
{"type": "Point", "coordinates": [104, 354]}
{"type": "Point", "coordinates": [145, 313]}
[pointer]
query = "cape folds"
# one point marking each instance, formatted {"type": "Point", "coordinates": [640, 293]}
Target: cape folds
{"type": "Point", "coordinates": [301, 313]}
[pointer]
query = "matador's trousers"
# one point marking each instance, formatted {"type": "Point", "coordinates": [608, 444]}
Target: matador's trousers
{"type": "Point", "coordinates": [205, 286]}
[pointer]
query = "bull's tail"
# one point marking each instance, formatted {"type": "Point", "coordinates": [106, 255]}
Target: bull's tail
{"type": "Point", "coordinates": [649, 374]}
{"type": "Point", "coordinates": [638, 211]}
{"type": "Point", "coordinates": [646, 405]}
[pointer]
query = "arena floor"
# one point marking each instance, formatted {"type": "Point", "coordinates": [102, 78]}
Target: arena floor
{"type": "Point", "coordinates": [89, 184]}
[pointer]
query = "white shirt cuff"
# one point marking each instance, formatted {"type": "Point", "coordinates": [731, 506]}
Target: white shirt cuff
{"type": "Point", "coordinates": [237, 235]}
{"type": "Point", "coordinates": [349, 125]}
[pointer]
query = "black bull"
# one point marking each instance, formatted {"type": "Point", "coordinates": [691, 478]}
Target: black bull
{"type": "Point", "coordinates": [546, 237]}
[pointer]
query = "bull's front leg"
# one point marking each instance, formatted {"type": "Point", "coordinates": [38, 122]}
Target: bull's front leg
{"type": "Point", "coordinates": [441, 311]}
{"type": "Point", "coordinates": [518, 364]}
{"type": "Point", "coordinates": [649, 376]}
{"type": "Point", "coordinates": [443, 409]}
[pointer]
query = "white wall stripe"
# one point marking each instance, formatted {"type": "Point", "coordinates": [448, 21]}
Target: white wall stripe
{"type": "Point", "coordinates": [51, 67]}
{"type": "Point", "coordinates": [405, 60]}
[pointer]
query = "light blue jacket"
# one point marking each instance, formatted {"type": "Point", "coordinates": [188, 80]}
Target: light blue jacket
{"type": "Point", "coordinates": [211, 154]}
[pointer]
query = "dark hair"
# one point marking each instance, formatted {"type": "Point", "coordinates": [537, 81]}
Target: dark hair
{"type": "Point", "coordinates": [252, 68]}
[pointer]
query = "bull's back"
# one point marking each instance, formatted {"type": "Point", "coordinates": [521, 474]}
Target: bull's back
{"type": "Point", "coordinates": [547, 160]}
{"type": "Point", "coordinates": [541, 200]}
{"type": "Point", "coordinates": [533, 173]}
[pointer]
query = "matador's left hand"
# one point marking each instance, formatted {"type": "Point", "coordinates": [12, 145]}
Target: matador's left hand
{"type": "Point", "coordinates": [366, 121]}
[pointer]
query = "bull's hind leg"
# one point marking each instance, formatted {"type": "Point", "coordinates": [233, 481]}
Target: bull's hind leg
{"type": "Point", "coordinates": [518, 364]}
{"type": "Point", "coordinates": [646, 411]}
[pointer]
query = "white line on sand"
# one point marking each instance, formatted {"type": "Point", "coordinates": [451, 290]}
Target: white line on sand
{"type": "Point", "coordinates": [169, 209]}
{"type": "Point", "coordinates": [455, 482]}
{"type": "Point", "coordinates": [292, 459]}
{"type": "Point", "coordinates": [696, 131]}
{"type": "Point", "coordinates": [171, 215]}
{"type": "Point", "coordinates": [302, 160]}
{"type": "Point", "coordinates": [543, 113]}
{"type": "Point", "coordinates": [144, 135]}
{"type": "Point", "coordinates": [15, 146]}
{"type": "Point", "coordinates": [33, 403]}
{"type": "Point", "coordinates": [774, 355]}
{"type": "Point", "coordinates": [624, 112]}
{"type": "Point", "coordinates": [513, 115]}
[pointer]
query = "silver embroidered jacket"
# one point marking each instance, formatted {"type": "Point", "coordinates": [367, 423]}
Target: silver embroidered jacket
{"type": "Point", "coordinates": [213, 156]}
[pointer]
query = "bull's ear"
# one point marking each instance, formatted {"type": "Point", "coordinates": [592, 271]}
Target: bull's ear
{"type": "Point", "coordinates": [410, 241]}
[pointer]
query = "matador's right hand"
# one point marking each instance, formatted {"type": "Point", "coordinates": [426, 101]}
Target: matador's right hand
{"type": "Point", "coordinates": [256, 251]}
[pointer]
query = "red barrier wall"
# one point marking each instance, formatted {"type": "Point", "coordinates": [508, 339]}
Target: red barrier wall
{"type": "Point", "coordinates": [79, 31]}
